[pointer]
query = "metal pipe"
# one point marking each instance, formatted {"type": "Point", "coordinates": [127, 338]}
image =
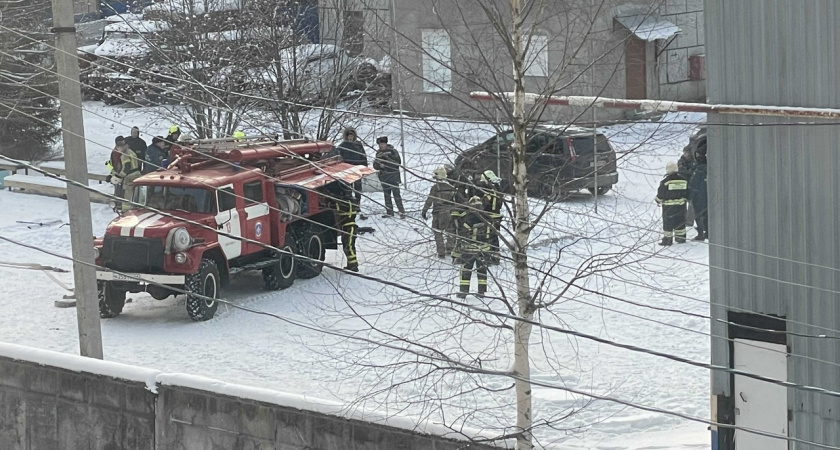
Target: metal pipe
{"type": "Point", "coordinates": [667, 106]}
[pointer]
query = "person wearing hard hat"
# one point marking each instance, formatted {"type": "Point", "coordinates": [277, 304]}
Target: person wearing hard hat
{"type": "Point", "coordinates": [474, 234]}
{"type": "Point", "coordinates": [239, 136]}
{"type": "Point", "coordinates": [171, 139]}
{"type": "Point", "coordinates": [441, 200]}
{"type": "Point", "coordinates": [672, 196]}
{"type": "Point", "coordinates": [490, 188]}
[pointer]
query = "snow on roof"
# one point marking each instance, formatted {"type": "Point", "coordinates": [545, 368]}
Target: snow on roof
{"type": "Point", "coordinates": [193, 6]}
{"type": "Point", "coordinates": [122, 48]}
{"type": "Point", "coordinates": [126, 17]}
{"type": "Point", "coordinates": [649, 28]}
{"type": "Point", "coordinates": [137, 26]}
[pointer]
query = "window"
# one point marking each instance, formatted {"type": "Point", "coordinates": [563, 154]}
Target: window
{"type": "Point", "coordinates": [536, 60]}
{"type": "Point", "coordinates": [253, 192]}
{"type": "Point", "coordinates": [174, 198]}
{"type": "Point", "coordinates": [437, 77]}
{"type": "Point", "coordinates": [227, 200]}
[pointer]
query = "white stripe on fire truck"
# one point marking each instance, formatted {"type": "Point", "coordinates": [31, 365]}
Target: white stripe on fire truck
{"type": "Point", "coordinates": [125, 230]}
{"type": "Point", "coordinates": [140, 229]}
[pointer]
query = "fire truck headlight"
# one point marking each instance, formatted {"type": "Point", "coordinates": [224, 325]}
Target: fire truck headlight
{"type": "Point", "coordinates": [180, 258]}
{"type": "Point", "coordinates": [181, 239]}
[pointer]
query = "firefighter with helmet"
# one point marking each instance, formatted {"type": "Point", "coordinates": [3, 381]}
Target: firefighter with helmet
{"type": "Point", "coordinates": [239, 136]}
{"type": "Point", "coordinates": [474, 234]}
{"type": "Point", "coordinates": [441, 200]}
{"type": "Point", "coordinates": [171, 139]}
{"type": "Point", "coordinates": [346, 210]}
{"type": "Point", "coordinates": [490, 188]}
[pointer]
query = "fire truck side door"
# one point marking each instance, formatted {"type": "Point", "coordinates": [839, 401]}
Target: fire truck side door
{"type": "Point", "coordinates": [257, 219]}
{"type": "Point", "coordinates": [228, 221]}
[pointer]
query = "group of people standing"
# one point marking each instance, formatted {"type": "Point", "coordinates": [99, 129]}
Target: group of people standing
{"type": "Point", "coordinates": [466, 213]}
{"type": "Point", "coordinates": [466, 219]}
{"type": "Point", "coordinates": [131, 157]}
{"type": "Point", "coordinates": [684, 187]}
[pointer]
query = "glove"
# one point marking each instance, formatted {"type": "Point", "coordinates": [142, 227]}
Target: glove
{"type": "Point", "coordinates": [424, 215]}
{"type": "Point", "coordinates": [115, 180]}
{"type": "Point", "coordinates": [108, 179]}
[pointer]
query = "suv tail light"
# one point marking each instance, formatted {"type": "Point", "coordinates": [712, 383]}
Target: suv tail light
{"type": "Point", "coordinates": [572, 153]}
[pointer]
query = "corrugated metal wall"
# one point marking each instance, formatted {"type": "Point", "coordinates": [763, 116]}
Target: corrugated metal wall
{"type": "Point", "coordinates": [775, 190]}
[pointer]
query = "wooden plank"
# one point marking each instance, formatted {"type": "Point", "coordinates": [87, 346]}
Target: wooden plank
{"type": "Point", "coordinates": [46, 186]}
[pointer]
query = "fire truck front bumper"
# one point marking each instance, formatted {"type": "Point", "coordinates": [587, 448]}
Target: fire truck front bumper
{"type": "Point", "coordinates": [104, 275]}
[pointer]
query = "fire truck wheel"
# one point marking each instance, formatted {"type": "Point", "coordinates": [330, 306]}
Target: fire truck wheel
{"type": "Point", "coordinates": [282, 274]}
{"type": "Point", "coordinates": [206, 283]}
{"type": "Point", "coordinates": [312, 246]}
{"type": "Point", "coordinates": [111, 300]}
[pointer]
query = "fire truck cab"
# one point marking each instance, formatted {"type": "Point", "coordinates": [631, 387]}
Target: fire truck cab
{"type": "Point", "coordinates": [222, 207]}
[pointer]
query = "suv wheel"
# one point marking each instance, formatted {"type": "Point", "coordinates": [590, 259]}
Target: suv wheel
{"type": "Point", "coordinates": [601, 190]}
{"type": "Point", "coordinates": [312, 246]}
{"type": "Point", "coordinates": [207, 284]}
{"type": "Point", "coordinates": [111, 299]}
{"type": "Point", "coordinates": [283, 274]}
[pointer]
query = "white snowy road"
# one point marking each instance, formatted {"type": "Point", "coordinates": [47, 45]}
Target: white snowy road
{"type": "Point", "coordinates": [251, 349]}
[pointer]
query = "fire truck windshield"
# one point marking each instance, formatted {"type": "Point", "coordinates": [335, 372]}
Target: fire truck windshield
{"type": "Point", "coordinates": [175, 198]}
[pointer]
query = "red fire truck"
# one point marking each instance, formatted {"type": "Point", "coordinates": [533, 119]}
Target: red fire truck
{"type": "Point", "coordinates": [275, 193]}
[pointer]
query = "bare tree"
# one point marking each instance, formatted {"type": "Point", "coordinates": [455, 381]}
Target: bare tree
{"type": "Point", "coordinates": [520, 52]}
{"type": "Point", "coordinates": [27, 86]}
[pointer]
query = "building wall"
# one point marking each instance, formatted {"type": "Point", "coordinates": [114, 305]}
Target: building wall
{"type": "Point", "coordinates": [775, 194]}
{"type": "Point", "coordinates": [479, 57]}
{"type": "Point", "coordinates": [52, 400]}
{"type": "Point", "coordinates": [673, 63]}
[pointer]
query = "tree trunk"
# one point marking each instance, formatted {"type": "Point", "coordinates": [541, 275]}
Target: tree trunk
{"type": "Point", "coordinates": [522, 231]}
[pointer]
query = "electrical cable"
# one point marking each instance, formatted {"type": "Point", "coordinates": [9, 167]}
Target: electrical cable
{"type": "Point", "coordinates": [440, 356]}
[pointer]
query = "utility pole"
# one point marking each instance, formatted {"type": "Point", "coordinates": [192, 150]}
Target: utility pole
{"type": "Point", "coordinates": [78, 199]}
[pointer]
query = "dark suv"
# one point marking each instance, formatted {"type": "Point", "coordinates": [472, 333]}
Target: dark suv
{"type": "Point", "coordinates": [560, 159]}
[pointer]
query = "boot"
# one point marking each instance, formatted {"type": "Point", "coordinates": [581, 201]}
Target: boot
{"type": "Point", "coordinates": [701, 236]}
{"type": "Point", "coordinates": [666, 241]}
{"type": "Point", "coordinates": [462, 295]}
{"type": "Point", "coordinates": [353, 267]}
{"type": "Point", "coordinates": [680, 240]}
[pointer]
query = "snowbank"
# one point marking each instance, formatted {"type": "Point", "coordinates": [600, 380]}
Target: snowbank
{"type": "Point", "coordinates": [81, 364]}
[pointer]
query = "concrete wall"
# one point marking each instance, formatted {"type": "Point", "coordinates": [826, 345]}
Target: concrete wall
{"type": "Point", "coordinates": [52, 400]}
{"type": "Point", "coordinates": [43, 407]}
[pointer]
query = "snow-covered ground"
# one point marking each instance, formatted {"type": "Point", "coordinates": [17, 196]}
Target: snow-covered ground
{"type": "Point", "coordinates": [241, 347]}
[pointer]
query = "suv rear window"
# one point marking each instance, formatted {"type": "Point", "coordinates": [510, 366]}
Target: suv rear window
{"type": "Point", "coordinates": [583, 145]}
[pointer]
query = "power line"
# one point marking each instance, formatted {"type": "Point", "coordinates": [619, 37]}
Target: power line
{"type": "Point", "coordinates": [552, 276]}
{"type": "Point", "coordinates": [444, 358]}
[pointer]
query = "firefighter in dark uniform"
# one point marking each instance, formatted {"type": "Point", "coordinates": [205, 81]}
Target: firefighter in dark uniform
{"type": "Point", "coordinates": [441, 201]}
{"type": "Point", "coordinates": [346, 209]}
{"type": "Point", "coordinates": [673, 196]}
{"type": "Point", "coordinates": [491, 196]}
{"type": "Point", "coordinates": [465, 189]}
{"type": "Point", "coordinates": [475, 236]}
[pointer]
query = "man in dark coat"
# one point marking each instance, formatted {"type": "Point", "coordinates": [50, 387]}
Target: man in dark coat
{"type": "Point", "coordinates": [441, 200]}
{"type": "Point", "coordinates": [474, 234]}
{"type": "Point", "coordinates": [699, 197]}
{"type": "Point", "coordinates": [352, 151]}
{"type": "Point", "coordinates": [686, 163]}
{"type": "Point", "coordinates": [388, 164]}
{"type": "Point", "coordinates": [155, 154]}
{"type": "Point", "coordinates": [673, 195]}
{"type": "Point", "coordinates": [136, 144]}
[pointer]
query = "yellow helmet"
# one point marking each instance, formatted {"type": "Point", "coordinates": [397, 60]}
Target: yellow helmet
{"type": "Point", "coordinates": [239, 134]}
{"type": "Point", "coordinates": [174, 129]}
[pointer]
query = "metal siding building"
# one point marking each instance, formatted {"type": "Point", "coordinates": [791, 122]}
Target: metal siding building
{"type": "Point", "coordinates": [775, 198]}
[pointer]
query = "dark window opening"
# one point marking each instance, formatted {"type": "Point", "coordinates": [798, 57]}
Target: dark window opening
{"type": "Point", "coordinates": [227, 200]}
{"type": "Point", "coordinates": [253, 192]}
